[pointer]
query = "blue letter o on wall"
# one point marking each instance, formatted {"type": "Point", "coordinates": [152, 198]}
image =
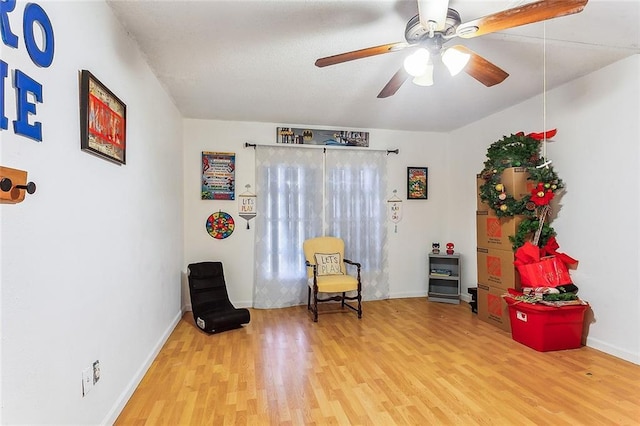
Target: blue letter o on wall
{"type": "Point", "coordinates": [32, 14]}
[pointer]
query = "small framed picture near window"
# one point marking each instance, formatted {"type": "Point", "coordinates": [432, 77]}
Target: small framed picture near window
{"type": "Point", "coordinates": [417, 183]}
{"type": "Point", "coordinates": [103, 120]}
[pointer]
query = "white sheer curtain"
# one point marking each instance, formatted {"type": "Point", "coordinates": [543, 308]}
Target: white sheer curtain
{"type": "Point", "coordinates": [289, 185]}
{"type": "Point", "coordinates": [298, 198]}
{"type": "Point", "coordinates": [356, 182]}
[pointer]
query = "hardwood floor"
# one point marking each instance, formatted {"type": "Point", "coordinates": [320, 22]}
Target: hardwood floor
{"type": "Point", "coordinates": [406, 362]}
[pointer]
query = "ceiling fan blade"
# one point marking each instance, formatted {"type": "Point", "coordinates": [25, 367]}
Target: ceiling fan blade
{"type": "Point", "coordinates": [359, 54]}
{"type": "Point", "coordinates": [521, 15]}
{"type": "Point", "coordinates": [394, 84]}
{"type": "Point", "coordinates": [433, 10]}
{"type": "Point", "coordinates": [481, 69]}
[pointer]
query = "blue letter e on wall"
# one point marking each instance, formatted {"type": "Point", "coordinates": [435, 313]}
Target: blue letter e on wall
{"type": "Point", "coordinates": [25, 85]}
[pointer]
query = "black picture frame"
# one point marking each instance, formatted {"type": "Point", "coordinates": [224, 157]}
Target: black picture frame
{"type": "Point", "coordinates": [103, 120]}
{"type": "Point", "coordinates": [417, 183]}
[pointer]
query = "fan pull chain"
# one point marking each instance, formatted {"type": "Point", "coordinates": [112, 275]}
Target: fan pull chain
{"type": "Point", "coordinates": [544, 90]}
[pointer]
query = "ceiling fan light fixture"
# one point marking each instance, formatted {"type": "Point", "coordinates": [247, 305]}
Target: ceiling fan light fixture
{"type": "Point", "coordinates": [455, 60]}
{"type": "Point", "coordinates": [417, 63]}
{"type": "Point", "coordinates": [425, 79]}
{"type": "Point", "coordinates": [423, 31]}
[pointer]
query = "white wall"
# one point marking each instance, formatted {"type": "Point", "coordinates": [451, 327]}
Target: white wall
{"type": "Point", "coordinates": [91, 262]}
{"type": "Point", "coordinates": [423, 220]}
{"type": "Point", "coordinates": [91, 265]}
{"type": "Point", "coordinates": [597, 154]}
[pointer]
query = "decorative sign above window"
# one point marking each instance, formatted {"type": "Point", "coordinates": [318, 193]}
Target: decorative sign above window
{"type": "Point", "coordinates": [290, 135]}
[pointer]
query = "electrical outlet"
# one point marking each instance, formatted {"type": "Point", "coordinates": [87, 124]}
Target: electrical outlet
{"type": "Point", "coordinates": [96, 371]}
{"type": "Point", "coordinates": [87, 380]}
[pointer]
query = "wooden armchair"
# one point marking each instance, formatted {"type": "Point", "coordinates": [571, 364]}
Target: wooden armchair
{"type": "Point", "coordinates": [326, 273]}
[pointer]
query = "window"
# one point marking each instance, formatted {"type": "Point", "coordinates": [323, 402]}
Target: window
{"type": "Point", "coordinates": [303, 191]}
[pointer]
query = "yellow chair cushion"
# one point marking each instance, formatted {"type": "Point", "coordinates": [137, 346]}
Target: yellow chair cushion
{"type": "Point", "coordinates": [335, 283]}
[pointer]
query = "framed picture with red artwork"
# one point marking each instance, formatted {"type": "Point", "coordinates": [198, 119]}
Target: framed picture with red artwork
{"type": "Point", "coordinates": [103, 120]}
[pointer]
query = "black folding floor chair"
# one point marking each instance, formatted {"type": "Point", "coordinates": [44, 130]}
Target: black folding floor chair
{"type": "Point", "coordinates": [212, 309]}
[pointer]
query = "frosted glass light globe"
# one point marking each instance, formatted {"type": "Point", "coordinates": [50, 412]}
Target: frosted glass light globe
{"type": "Point", "coordinates": [416, 64]}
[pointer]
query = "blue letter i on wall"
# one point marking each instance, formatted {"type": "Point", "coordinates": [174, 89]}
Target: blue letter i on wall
{"type": "Point", "coordinates": [4, 122]}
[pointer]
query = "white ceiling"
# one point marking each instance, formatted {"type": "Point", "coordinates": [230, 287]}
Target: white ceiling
{"type": "Point", "coordinates": [254, 60]}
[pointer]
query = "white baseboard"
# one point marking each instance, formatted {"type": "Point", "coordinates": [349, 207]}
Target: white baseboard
{"type": "Point", "coordinates": [464, 297]}
{"type": "Point", "coordinates": [407, 295]}
{"type": "Point", "coordinates": [241, 304]}
{"type": "Point", "coordinates": [137, 378]}
{"type": "Point", "coordinates": [613, 350]}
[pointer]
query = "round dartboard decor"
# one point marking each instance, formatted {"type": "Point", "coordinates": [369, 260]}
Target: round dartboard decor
{"type": "Point", "coordinates": [220, 225]}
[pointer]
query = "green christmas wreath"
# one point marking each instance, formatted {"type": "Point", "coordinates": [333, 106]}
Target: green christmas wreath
{"type": "Point", "coordinates": [520, 150]}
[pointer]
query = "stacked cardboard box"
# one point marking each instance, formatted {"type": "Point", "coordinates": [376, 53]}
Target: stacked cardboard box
{"type": "Point", "coordinates": [495, 257]}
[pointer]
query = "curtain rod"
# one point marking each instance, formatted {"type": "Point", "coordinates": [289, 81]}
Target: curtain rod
{"type": "Point", "coordinates": [388, 151]}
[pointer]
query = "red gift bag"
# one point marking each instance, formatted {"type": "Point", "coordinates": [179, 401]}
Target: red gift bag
{"type": "Point", "coordinates": [537, 270]}
{"type": "Point", "coordinates": [548, 272]}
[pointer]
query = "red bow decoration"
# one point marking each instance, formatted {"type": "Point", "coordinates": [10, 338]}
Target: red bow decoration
{"type": "Point", "coordinates": [530, 253]}
{"type": "Point", "coordinates": [550, 249]}
{"type": "Point", "coordinates": [540, 136]}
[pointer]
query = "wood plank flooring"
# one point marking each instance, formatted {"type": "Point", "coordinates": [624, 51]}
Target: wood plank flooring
{"type": "Point", "coordinates": [406, 362]}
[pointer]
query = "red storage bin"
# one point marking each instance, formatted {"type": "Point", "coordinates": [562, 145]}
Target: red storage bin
{"type": "Point", "coordinates": [546, 328]}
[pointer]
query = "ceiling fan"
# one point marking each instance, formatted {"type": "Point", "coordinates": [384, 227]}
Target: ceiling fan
{"type": "Point", "coordinates": [436, 24]}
